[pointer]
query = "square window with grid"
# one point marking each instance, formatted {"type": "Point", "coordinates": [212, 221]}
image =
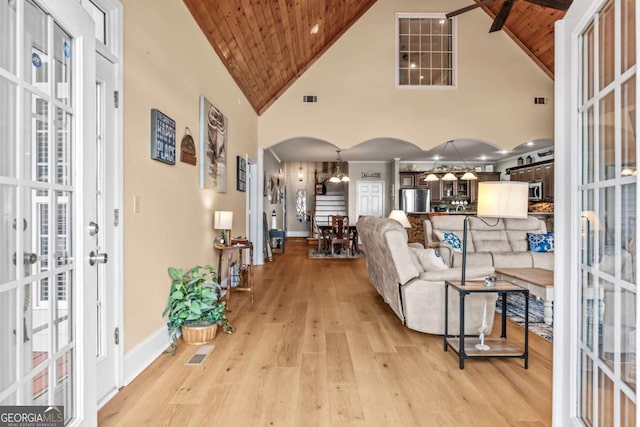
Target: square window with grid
{"type": "Point", "coordinates": [425, 50]}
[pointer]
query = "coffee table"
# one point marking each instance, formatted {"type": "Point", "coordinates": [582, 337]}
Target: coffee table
{"type": "Point", "coordinates": [539, 282]}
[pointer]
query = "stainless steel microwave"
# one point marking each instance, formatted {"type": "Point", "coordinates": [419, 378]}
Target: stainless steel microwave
{"type": "Point", "coordinates": [535, 191]}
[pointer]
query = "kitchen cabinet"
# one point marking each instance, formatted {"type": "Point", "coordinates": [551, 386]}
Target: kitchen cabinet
{"type": "Point", "coordinates": [523, 175]}
{"type": "Point", "coordinates": [543, 172]}
{"type": "Point", "coordinates": [482, 177]}
{"type": "Point", "coordinates": [537, 173]}
{"type": "Point", "coordinates": [547, 180]}
{"type": "Point", "coordinates": [407, 179]}
{"type": "Point", "coordinates": [434, 187]}
{"type": "Point", "coordinates": [447, 190]}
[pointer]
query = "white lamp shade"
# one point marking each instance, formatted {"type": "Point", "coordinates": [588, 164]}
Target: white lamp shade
{"type": "Point", "coordinates": [449, 177]}
{"type": "Point", "coordinates": [223, 220]}
{"type": "Point", "coordinates": [503, 199]}
{"type": "Point", "coordinates": [401, 217]}
{"type": "Point", "coordinates": [468, 176]}
{"type": "Point", "coordinates": [432, 177]}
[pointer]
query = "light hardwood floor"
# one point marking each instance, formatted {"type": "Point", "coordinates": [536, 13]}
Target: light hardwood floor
{"type": "Point", "coordinates": [319, 347]}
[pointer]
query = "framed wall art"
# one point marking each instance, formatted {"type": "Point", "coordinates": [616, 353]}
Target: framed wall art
{"type": "Point", "coordinates": [163, 137]}
{"type": "Point", "coordinates": [213, 147]}
{"type": "Point", "coordinates": [241, 180]}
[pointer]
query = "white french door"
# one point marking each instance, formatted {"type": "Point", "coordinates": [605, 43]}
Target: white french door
{"type": "Point", "coordinates": [104, 234]}
{"type": "Point", "coordinates": [47, 291]}
{"type": "Point", "coordinates": [597, 76]}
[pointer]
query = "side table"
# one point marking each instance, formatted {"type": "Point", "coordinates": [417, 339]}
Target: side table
{"type": "Point", "coordinates": [230, 251]}
{"type": "Point", "coordinates": [465, 347]}
{"type": "Point", "coordinates": [278, 235]}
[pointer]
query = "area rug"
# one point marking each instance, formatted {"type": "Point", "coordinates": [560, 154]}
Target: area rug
{"type": "Point", "coordinates": [515, 312]}
{"type": "Point", "coordinates": [313, 254]}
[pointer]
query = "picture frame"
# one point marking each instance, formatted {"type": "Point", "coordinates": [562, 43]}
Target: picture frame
{"type": "Point", "coordinates": [163, 137]}
{"type": "Point", "coordinates": [213, 147]}
{"type": "Point", "coordinates": [241, 174]}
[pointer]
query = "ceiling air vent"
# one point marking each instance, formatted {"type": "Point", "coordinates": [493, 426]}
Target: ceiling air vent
{"type": "Point", "coordinates": [540, 100]}
{"type": "Point", "coordinates": [309, 99]}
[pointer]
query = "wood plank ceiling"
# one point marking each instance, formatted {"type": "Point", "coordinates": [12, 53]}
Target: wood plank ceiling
{"type": "Point", "coordinates": [267, 44]}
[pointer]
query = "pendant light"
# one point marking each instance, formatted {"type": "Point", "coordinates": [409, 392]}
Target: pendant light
{"type": "Point", "coordinates": [468, 174]}
{"type": "Point", "coordinates": [338, 176]}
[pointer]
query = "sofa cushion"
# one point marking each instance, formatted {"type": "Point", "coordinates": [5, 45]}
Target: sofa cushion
{"type": "Point", "coordinates": [542, 260]}
{"type": "Point", "coordinates": [415, 260]}
{"type": "Point", "coordinates": [473, 259]}
{"type": "Point", "coordinates": [429, 259]}
{"type": "Point", "coordinates": [490, 240]}
{"type": "Point", "coordinates": [517, 230]}
{"type": "Point", "coordinates": [512, 259]}
{"type": "Point", "coordinates": [451, 224]}
{"type": "Point", "coordinates": [541, 242]}
{"type": "Point", "coordinates": [396, 238]}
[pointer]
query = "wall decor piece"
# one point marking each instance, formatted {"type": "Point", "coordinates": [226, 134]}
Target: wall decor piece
{"type": "Point", "coordinates": [163, 137]}
{"type": "Point", "coordinates": [213, 147]}
{"type": "Point", "coordinates": [275, 189]}
{"type": "Point", "coordinates": [372, 174]}
{"type": "Point", "coordinates": [188, 148]}
{"type": "Point", "coordinates": [241, 167]}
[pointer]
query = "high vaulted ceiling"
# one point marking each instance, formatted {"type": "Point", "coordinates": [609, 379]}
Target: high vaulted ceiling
{"type": "Point", "coordinates": [266, 44]}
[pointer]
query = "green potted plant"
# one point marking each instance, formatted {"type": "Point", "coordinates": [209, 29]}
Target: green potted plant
{"type": "Point", "coordinates": [194, 307]}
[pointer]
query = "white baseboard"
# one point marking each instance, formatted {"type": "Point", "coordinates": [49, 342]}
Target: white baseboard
{"type": "Point", "coordinates": [142, 355]}
{"type": "Point", "coordinates": [297, 234]}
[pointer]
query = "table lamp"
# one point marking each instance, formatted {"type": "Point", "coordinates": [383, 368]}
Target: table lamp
{"type": "Point", "coordinates": [401, 217]}
{"type": "Point", "coordinates": [497, 199]}
{"type": "Point", "coordinates": [223, 220]}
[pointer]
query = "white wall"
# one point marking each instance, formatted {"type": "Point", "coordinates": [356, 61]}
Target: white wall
{"type": "Point", "coordinates": [272, 169]}
{"type": "Point", "coordinates": [358, 101]}
{"type": "Point", "coordinates": [168, 64]}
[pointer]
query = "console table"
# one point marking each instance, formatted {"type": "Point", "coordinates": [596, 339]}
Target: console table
{"type": "Point", "coordinates": [465, 347]}
{"type": "Point", "coordinates": [245, 284]}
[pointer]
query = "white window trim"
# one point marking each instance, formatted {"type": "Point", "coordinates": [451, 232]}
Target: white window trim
{"type": "Point", "coordinates": [454, 47]}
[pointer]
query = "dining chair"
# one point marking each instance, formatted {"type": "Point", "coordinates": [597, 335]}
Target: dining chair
{"type": "Point", "coordinates": [339, 234]}
{"type": "Point", "coordinates": [321, 227]}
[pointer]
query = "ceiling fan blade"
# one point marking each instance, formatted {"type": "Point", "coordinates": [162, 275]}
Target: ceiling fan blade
{"type": "Point", "coordinates": [501, 17]}
{"type": "Point", "coordinates": [553, 4]}
{"type": "Point", "coordinates": [468, 8]}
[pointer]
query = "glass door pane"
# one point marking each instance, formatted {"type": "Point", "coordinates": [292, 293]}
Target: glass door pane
{"type": "Point", "coordinates": [36, 196]}
{"type": "Point", "coordinates": [607, 217]}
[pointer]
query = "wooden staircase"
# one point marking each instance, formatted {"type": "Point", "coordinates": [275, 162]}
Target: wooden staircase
{"type": "Point", "coordinates": [331, 203]}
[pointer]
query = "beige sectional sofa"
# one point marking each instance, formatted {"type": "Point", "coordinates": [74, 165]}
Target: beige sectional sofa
{"type": "Point", "coordinates": [417, 296]}
{"type": "Point", "coordinates": [500, 242]}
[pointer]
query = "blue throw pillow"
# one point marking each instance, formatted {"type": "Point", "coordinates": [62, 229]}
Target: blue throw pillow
{"type": "Point", "coordinates": [453, 240]}
{"type": "Point", "coordinates": [541, 242]}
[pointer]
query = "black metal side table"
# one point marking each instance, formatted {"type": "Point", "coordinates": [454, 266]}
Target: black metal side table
{"type": "Point", "coordinates": [465, 347]}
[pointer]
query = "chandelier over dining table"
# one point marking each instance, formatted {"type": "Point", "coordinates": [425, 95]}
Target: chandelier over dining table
{"type": "Point", "coordinates": [338, 175]}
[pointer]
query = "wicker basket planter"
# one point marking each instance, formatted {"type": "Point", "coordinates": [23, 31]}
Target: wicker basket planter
{"type": "Point", "coordinates": [198, 335]}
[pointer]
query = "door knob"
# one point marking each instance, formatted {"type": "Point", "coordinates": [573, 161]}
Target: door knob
{"type": "Point", "coordinates": [28, 258]}
{"type": "Point", "coordinates": [93, 228]}
{"type": "Point", "coordinates": [95, 257]}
